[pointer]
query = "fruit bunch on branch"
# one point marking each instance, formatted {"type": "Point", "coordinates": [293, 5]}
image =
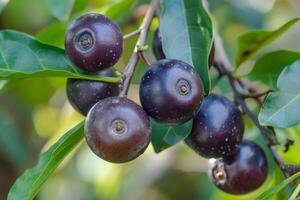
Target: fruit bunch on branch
{"type": "Point", "coordinates": [175, 93]}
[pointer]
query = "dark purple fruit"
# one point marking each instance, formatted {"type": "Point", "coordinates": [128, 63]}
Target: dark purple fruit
{"type": "Point", "coordinates": [84, 94]}
{"type": "Point", "coordinates": [243, 171]}
{"type": "Point", "coordinates": [93, 42]}
{"type": "Point", "coordinates": [171, 91]}
{"type": "Point", "coordinates": [117, 129]}
{"type": "Point", "coordinates": [157, 46]}
{"type": "Point", "coordinates": [217, 129]}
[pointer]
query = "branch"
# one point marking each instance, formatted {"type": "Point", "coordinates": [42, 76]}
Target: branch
{"type": "Point", "coordinates": [256, 95]}
{"type": "Point", "coordinates": [130, 68]}
{"type": "Point", "coordinates": [144, 58]}
{"type": "Point", "coordinates": [133, 33]}
{"type": "Point", "coordinates": [225, 68]}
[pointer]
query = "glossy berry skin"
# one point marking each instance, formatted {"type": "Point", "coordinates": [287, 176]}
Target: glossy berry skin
{"type": "Point", "coordinates": [84, 94]}
{"type": "Point", "coordinates": [171, 91]}
{"type": "Point", "coordinates": [157, 46]}
{"type": "Point", "coordinates": [243, 171]}
{"type": "Point", "coordinates": [217, 129]}
{"type": "Point", "coordinates": [93, 42]}
{"type": "Point", "coordinates": [117, 129]}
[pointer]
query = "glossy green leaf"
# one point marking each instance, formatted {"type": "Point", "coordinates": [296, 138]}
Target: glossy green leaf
{"type": "Point", "coordinates": [164, 136]}
{"type": "Point", "coordinates": [186, 31]}
{"type": "Point", "coordinates": [268, 67]}
{"type": "Point", "coordinates": [30, 182]}
{"type": "Point", "coordinates": [253, 41]}
{"type": "Point", "coordinates": [267, 194]}
{"type": "Point", "coordinates": [282, 108]}
{"type": "Point", "coordinates": [22, 56]}
{"type": "Point", "coordinates": [3, 3]}
{"type": "Point", "coordinates": [61, 9]}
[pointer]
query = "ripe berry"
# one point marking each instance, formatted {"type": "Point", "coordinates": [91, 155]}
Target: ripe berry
{"type": "Point", "coordinates": [84, 94]}
{"type": "Point", "coordinates": [117, 129]}
{"type": "Point", "coordinates": [217, 129]}
{"type": "Point", "coordinates": [93, 42]}
{"type": "Point", "coordinates": [157, 46]}
{"type": "Point", "coordinates": [243, 171]}
{"type": "Point", "coordinates": [171, 91]}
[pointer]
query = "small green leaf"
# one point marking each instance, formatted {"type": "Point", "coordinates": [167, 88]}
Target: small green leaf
{"type": "Point", "coordinates": [267, 194]}
{"type": "Point", "coordinates": [164, 136]}
{"type": "Point", "coordinates": [61, 9]}
{"type": "Point", "coordinates": [253, 41]}
{"type": "Point", "coordinates": [3, 3]}
{"type": "Point", "coordinates": [29, 183]}
{"type": "Point", "coordinates": [186, 31]}
{"type": "Point", "coordinates": [268, 67]}
{"type": "Point", "coordinates": [282, 108]}
{"type": "Point", "coordinates": [22, 56]}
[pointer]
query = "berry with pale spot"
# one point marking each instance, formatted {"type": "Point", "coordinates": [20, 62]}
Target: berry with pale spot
{"type": "Point", "coordinates": [217, 129]}
{"type": "Point", "coordinates": [93, 42]}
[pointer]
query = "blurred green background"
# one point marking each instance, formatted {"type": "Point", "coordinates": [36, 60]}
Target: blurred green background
{"type": "Point", "coordinates": [34, 113]}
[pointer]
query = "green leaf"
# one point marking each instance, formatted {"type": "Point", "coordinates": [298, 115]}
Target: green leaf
{"type": "Point", "coordinates": [253, 41]}
{"type": "Point", "coordinates": [267, 194]}
{"type": "Point", "coordinates": [282, 108]}
{"type": "Point", "coordinates": [61, 9]}
{"type": "Point", "coordinates": [30, 182]}
{"type": "Point", "coordinates": [22, 56]}
{"type": "Point", "coordinates": [164, 136]}
{"type": "Point", "coordinates": [268, 67]}
{"type": "Point", "coordinates": [119, 10]}
{"type": "Point", "coordinates": [3, 3]}
{"type": "Point", "coordinates": [186, 31]}
{"type": "Point", "coordinates": [53, 34]}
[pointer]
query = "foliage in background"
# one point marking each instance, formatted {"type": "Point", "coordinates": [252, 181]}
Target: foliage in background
{"type": "Point", "coordinates": [50, 92]}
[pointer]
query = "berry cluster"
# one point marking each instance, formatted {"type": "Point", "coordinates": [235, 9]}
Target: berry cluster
{"type": "Point", "coordinates": [171, 92]}
{"type": "Point", "coordinates": [237, 166]}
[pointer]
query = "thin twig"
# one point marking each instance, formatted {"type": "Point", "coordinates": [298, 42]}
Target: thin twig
{"type": "Point", "coordinates": [256, 95]}
{"type": "Point", "coordinates": [144, 58]}
{"type": "Point", "coordinates": [130, 68]}
{"type": "Point", "coordinates": [225, 68]}
{"type": "Point", "coordinates": [133, 33]}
